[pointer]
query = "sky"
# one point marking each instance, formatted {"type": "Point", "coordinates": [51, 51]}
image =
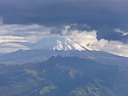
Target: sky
{"type": "Point", "coordinates": [103, 24]}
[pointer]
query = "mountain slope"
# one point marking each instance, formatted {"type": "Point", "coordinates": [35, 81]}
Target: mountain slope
{"type": "Point", "coordinates": [34, 56]}
{"type": "Point", "coordinates": [56, 42]}
{"type": "Point", "coordinates": [58, 45]}
{"type": "Point", "coordinates": [63, 76]}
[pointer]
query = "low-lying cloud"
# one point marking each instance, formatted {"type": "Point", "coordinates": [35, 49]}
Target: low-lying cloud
{"type": "Point", "coordinates": [14, 37]}
{"type": "Point", "coordinates": [11, 47]}
{"type": "Point", "coordinates": [90, 41]}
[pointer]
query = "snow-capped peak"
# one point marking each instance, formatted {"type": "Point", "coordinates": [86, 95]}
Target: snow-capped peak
{"type": "Point", "coordinates": [56, 42]}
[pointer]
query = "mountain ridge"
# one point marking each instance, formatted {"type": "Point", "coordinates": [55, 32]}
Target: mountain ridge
{"type": "Point", "coordinates": [65, 76]}
{"type": "Point", "coordinates": [62, 46]}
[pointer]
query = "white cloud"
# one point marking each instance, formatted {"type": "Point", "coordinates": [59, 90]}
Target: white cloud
{"type": "Point", "coordinates": [11, 47]}
{"type": "Point", "coordinates": [4, 39]}
{"type": "Point", "coordinates": [31, 33]}
{"type": "Point", "coordinates": [88, 39]}
{"type": "Point", "coordinates": [85, 38]}
{"type": "Point", "coordinates": [114, 47]}
{"type": "Point", "coordinates": [12, 35]}
{"type": "Point", "coordinates": [120, 31]}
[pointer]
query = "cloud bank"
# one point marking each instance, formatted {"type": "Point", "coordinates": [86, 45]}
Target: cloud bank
{"type": "Point", "coordinates": [97, 12]}
{"type": "Point", "coordinates": [90, 41]}
{"type": "Point", "coordinates": [14, 37]}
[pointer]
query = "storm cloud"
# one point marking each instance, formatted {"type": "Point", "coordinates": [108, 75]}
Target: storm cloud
{"type": "Point", "coordinates": [102, 15]}
{"type": "Point", "coordinates": [64, 11]}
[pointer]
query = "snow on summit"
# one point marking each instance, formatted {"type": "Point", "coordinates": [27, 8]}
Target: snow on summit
{"type": "Point", "coordinates": [57, 42]}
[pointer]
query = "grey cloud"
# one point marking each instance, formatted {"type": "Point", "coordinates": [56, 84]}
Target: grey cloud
{"type": "Point", "coordinates": [96, 13]}
{"type": "Point", "coordinates": [62, 11]}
